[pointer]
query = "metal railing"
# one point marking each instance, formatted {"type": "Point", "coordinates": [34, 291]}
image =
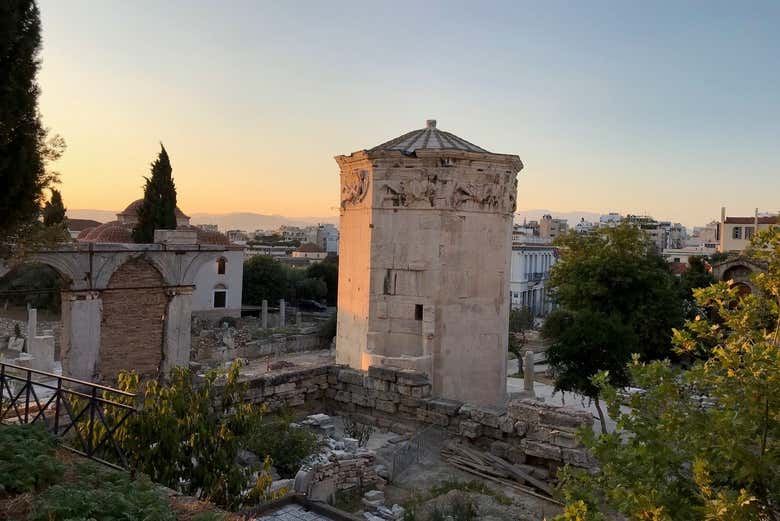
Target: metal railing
{"type": "Point", "coordinates": [84, 416]}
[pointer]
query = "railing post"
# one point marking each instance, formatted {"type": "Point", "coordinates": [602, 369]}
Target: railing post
{"type": "Point", "coordinates": [91, 434]}
{"type": "Point", "coordinates": [27, 397]}
{"type": "Point", "coordinates": [2, 388]}
{"type": "Point", "coordinates": [58, 394]}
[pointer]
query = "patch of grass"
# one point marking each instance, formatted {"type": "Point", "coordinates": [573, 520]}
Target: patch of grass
{"type": "Point", "coordinates": [98, 493]}
{"type": "Point", "coordinates": [27, 459]}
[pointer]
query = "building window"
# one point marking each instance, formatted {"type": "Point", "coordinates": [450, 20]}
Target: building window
{"type": "Point", "coordinates": [736, 233]}
{"type": "Point", "coordinates": [221, 266]}
{"type": "Point", "coordinates": [749, 231]}
{"type": "Point", "coordinates": [220, 297]}
{"type": "Point", "coordinates": [418, 311]}
{"type": "Point", "coordinates": [677, 259]}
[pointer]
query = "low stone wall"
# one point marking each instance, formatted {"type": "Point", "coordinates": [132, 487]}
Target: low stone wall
{"type": "Point", "coordinates": [400, 400]}
{"type": "Point", "coordinates": [214, 344]}
{"type": "Point", "coordinates": [7, 330]}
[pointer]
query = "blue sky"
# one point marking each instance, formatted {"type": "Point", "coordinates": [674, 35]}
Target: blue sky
{"type": "Point", "coordinates": [669, 108]}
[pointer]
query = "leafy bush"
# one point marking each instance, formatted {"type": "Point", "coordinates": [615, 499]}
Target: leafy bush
{"type": "Point", "coordinates": [287, 446]}
{"type": "Point", "coordinates": [27, 458]}
{"type": "Point", "coordinates": [187, 435]}
{"type": "Point", "coordinates": [359, 431]}
{"type": "Point", "coordinates": [102, 494]}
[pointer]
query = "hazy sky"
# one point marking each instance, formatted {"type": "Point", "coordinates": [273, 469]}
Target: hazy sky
{"type": "Point", "coordinates": [667, 108]}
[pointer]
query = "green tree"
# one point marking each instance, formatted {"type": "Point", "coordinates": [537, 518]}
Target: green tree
{"type": "Point", "coordinates": [24, 147]}
{"type": "Point", "coordinates": [187, 434]}
{"type": "Point", "coordinates": [310, 288]}
{"type": "Point", "coordinates": [264, 278]}
{"type": "Point", "coordinates": [702, 443]}
{"type": "Point", "coordinates": [696, 276]}
{"type": "Point", "coordinates": [615, 296]}
{"type": "Point", "coordinates": [54, 210]}
{"type": "Point", "coordinates": [158, 210]}
{"type": "Point", "coordinates": [328, 271]}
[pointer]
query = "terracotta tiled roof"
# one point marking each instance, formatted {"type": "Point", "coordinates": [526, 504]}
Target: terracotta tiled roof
{"type": "Point", "coordinates": [309, 247]}
{"type": "Point", "coordinates": [110, 232]}
{"type": "Point", "coordinates": [428, 138]}
{"type": "Point", "coordinates": [77, 225]}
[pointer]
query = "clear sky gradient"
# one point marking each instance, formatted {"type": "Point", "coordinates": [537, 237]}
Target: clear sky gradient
{"type": "Point", "coordinates": [669, 108]}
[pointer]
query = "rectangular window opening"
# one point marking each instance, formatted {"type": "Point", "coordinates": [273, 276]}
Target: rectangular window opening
{"type": "Point", "coordinates": [418, 311]}
{"type": "Point", "coordinates": [220, 299]}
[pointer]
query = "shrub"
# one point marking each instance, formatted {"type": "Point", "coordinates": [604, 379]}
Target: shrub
{"type": "Point", "coordinates": [102, 494]}
{"type": "Point", "coordinates": [27, 458]}
{"type": "Point", "coordinates": [327, 330]}
{"type": "Point", "coordinates": [187, 435]}
{"type": "Point", "coordinates": [286, 445]}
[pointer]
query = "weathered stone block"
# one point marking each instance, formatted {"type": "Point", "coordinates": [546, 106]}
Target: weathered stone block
{"type": "Point", "coordinates": [409, 377]}
{"type": "Point", "coordinates": [362, 400]}
{"type": "Point", "coordinates": [470, 429]}
{"type": "Point", "coordinates": [388, 374]}
{"type": "Point", "coordinates": [565, 418]}
{"type": "Point", "coordinates": [541, 450]}
{"type": "Point", "coordinates": [343, 396]}
{"type": "Point", "coordinates": [525, 410]}
{"type": "Point", "coordinates": [385, 406]}
{"type": "Point", "coordinates": [351, 376]}
{"type": "Point", "coordinates": [506, 424]}
{"type": "Point", "coordinates": [499, 448]}
{"type": "Point", "coordinates": [376, 384]}
{"type": "Point", "coordinates": [448, 407]}
{"type": "Point", "coordinates": [521, 427]}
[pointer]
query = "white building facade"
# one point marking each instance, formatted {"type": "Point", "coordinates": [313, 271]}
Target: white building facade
{"type": "Point", "coordinates": [530, 269]}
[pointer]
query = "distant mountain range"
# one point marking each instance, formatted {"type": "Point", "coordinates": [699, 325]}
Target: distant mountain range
{"type": "Point", "coordinates": [256, 221]}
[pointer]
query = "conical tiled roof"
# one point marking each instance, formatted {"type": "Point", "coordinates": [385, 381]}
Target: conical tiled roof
{"type": "Point", "coordinates": [428, 138]}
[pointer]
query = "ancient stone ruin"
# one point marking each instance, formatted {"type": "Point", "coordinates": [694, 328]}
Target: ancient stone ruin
{"type": "Point", "coordinates": [426, 223]}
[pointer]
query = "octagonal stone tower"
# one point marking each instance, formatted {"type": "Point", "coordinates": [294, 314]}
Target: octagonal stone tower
{"type": "Point", "coordinates": [425, 244]}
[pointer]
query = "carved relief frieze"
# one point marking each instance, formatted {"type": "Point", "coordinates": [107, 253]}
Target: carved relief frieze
{"type": "Point", "coordinates": [354, 187]}
{"type": "Point", "coordinates": [492, 192]}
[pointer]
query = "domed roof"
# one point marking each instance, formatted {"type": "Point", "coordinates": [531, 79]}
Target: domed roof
{"type": "Point", "coordinates": [132, 210]}
{"type": "Point", "coordinates": [83, 233]}
{"type": "Point", "coordinates": [428, 138]}
{"type": "Point", "coordinates": [110, 232]}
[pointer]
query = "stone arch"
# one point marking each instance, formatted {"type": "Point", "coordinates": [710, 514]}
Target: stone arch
{"type": "Point", "coordinates": [133, 320]}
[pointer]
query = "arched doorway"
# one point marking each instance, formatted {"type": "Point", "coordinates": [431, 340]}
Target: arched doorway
{"type": "Point", "coordinates": [132, 324]}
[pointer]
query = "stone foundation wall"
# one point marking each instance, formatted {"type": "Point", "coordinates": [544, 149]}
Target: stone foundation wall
{"type": "Point", "coordinates": [214, 344]}
{"type": "Point", "coordinates": [400, 400]}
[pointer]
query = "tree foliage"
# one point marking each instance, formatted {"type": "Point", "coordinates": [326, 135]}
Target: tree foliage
{"type": "Point", "coordinates": [520, 321]}
{"type": "Point", "coordinates": [328, 272]}
{"type": "Point", "coordinates": [25, 146]}
{"type": "Point", "coordinates": [696, 276]}
{"type": "Point", "coordinates": [158, 209]}
{"type": "Point", "coordinates": [54, 210]}
{"type": "Point", "coordinates": [35, 284]}
{"type": "Point", "coordinates": [702, 443]}
{"type": "Point", "coordinates": [187, 435]}
{"type": "Point", "coordinates": [266, 278]}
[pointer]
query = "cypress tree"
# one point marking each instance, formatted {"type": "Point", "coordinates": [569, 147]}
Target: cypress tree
{"type": "Point", "coordinates": [54, 210]}
{"type": "Point", "coordinates": [22, 137]}
{"type": "Point", "coordinates": [158, 210]}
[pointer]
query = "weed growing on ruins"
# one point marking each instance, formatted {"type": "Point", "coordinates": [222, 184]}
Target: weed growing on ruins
{"type": "Point", "coordinates": [476, 487]}
{"type": "Point", "coordinates": [287, 445]}
{"type": "Point", "coordinates": [27, 459]}
{"type": "Point", "coordinates": [359, 431]}
{"type": "Point", "coordinates": [702, 443]}
{"type": "Point", "coordinates": [99, 493]}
